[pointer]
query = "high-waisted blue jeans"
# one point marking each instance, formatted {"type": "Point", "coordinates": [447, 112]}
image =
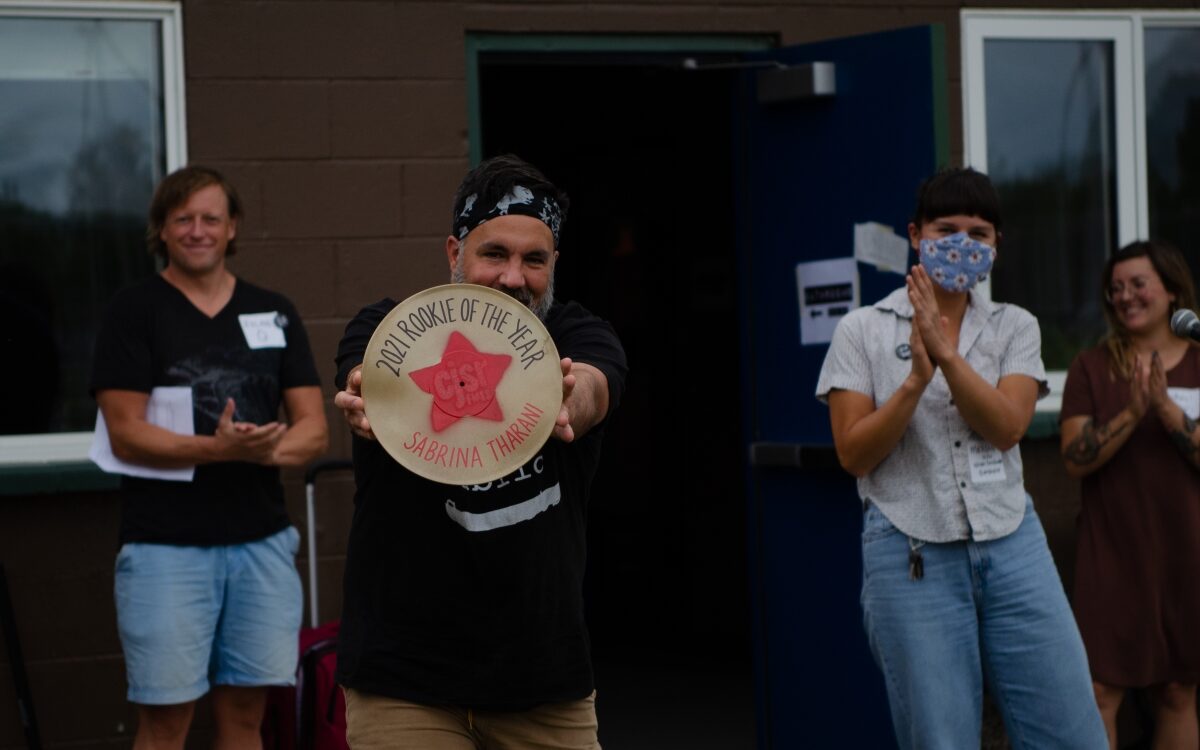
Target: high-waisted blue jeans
{"type": "Point", "coordinates": [991, 611]}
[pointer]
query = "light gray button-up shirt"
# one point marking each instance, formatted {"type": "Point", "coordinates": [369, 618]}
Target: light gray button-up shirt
{"type": "Point", "coordinates": [942, 482]}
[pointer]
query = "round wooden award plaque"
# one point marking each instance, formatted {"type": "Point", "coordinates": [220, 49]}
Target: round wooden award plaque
{"type": "Point", "coordinates": [461, 384]}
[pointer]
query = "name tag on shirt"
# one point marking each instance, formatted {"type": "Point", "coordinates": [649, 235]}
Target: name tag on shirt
{"type": "Point", "coordinates": [262, 330]}
{"type": "Point", "coordinates": [1188, 400]}
{"type": "Point", "coordinates": [987, 462]}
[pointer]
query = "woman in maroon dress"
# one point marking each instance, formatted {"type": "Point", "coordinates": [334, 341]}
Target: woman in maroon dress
{"type": "Point", "coordinates": [1129, 430]}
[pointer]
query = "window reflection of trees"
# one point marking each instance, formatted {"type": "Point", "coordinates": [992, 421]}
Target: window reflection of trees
{"type": "Point", "coordinates": [79, 157]}
{"type": "Point", "coordinates": [1173, 137]}
{"type": "Point", "coordinates": [1056, 180]}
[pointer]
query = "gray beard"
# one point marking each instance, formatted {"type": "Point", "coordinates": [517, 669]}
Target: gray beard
{"type": "Point", "coordinates": [540, 306]}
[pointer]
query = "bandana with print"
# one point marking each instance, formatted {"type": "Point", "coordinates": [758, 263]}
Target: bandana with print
{"type": "Point", "coordinates": [520, 200]}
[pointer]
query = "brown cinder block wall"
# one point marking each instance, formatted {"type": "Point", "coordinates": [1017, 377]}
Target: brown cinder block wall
{"type": "Point", "coordinates": [344, 125]}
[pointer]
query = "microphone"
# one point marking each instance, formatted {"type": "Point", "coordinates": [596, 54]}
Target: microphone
{"type": "Point", "coordinates": [1186, 325]}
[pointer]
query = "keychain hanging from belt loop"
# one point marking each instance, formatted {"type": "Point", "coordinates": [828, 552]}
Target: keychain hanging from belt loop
{"type": "Point", "coordinates": [916, 562]}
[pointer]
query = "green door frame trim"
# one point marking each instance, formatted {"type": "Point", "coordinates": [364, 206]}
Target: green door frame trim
{"type": "Point", "coordinates": [478, 43]}
{"type": "Point", "coordinates": [941, 98]}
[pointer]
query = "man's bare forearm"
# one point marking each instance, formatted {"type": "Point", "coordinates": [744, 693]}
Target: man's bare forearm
{"type": "Point", "coordinates": [588, 402]}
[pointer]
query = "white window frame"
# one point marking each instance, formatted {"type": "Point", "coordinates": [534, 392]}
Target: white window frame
{"type": "Point", "coordinates": [72, 447]}
{"type": "Point", "coordinates": [1125, 29]}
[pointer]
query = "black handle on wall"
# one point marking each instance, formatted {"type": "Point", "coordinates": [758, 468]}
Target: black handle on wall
{"type": "Point", "coordinates": [794, 456]}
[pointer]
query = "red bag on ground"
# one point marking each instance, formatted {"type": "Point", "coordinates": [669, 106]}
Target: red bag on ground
{"type": "Point", "coordinates": [311, 715]}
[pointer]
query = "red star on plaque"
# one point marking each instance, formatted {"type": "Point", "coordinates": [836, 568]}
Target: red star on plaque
{"type": "Point", "coordinates": [463, 384]}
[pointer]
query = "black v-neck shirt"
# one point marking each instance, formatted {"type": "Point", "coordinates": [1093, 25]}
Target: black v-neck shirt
{"type": "Point", "coordinates": [450, 597]}
{"type": "Point", "coordinates": [152, 336]}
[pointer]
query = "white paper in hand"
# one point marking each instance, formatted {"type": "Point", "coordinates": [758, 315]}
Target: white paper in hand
{"type": "Point", "coordinates": [169, 408]}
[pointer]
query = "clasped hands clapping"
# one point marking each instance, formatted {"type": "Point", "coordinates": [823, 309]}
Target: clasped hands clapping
{"type": "Point", "coordinates": [931, 340]}
{"type": "Point", "coordinates": [1148, 387]}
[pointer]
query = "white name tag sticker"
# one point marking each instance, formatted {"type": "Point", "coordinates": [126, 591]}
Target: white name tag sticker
{"type": "Point", "coordinates": [1188, 400]}
{"type": "Point", "coordinates": [262, 330]}
{"type": "Point", "coordinates": [987, 463]}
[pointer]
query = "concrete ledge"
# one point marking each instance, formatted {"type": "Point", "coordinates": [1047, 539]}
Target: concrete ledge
{"type": "Point", "coordinates": [51, 478]}
{"type": "Point", "coordinates": [1043, 426]}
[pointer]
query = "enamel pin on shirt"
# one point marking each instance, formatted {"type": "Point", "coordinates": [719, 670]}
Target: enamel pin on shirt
{"type": "Point", "coordinates": [461, 384]}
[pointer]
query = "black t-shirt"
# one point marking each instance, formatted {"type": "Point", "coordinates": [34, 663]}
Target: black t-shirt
{"type": "Point", "coordinates": [489, 619]}
{"type": "Point", "coordinates": [152, 335]}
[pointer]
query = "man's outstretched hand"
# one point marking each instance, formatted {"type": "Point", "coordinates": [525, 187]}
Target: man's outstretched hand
{"type": "Point", "coordinates": [351, 403]}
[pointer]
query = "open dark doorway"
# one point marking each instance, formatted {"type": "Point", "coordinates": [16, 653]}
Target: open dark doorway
{"type": "Point", "coordinates": [643, 146]}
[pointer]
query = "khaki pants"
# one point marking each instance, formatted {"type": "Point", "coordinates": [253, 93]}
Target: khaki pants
{"type": "Point", "coordinates": [378, 723]}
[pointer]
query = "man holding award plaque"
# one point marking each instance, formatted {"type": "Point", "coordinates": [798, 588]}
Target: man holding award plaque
{"type": "Point", "coordinates": [478, 410]}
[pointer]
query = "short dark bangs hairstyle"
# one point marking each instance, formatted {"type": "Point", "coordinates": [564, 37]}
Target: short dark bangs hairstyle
{"type": "Point", "coordinates": [957, 191]}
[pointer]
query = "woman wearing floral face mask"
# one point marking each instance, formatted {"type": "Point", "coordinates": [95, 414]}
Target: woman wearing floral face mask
{"type": "Point", "coordinates": [1129, 430]}
{"type": "Point", "coordinates": [929, 392]}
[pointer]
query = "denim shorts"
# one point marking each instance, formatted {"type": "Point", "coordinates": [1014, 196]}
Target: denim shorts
{"type": "Point", "coordinates": [193, 617]}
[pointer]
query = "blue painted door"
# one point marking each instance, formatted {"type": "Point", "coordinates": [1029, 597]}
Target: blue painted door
{"type": "Point", "coordinates": [807, 170]}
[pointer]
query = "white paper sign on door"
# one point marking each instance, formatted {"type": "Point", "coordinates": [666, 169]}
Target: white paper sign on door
{"type": "Point", "coordinates": [828, 289]}
{"type": "Point", "coordinates": [877, 244]}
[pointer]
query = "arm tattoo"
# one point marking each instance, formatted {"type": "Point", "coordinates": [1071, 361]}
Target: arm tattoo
{"type": "Point", "coordinates": [1084, 449]}
{"type": "Point", "coordinates": [1185, 442]}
